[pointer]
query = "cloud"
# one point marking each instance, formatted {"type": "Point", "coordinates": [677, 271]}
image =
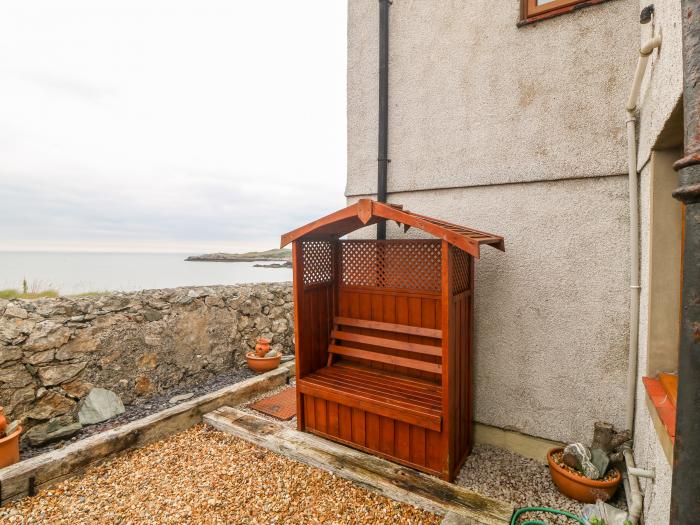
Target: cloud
{"type": "Point", "coordinates": [172, 126]}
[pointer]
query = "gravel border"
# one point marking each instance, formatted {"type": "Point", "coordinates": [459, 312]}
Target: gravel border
{"type": "Point", "coordinates": [140, 409]}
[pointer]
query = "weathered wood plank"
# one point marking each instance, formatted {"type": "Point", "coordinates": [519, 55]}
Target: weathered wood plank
{"type": "Point", "coordinates": [373, 473]}
{"type": "Point", "coordinates": [50, 468]}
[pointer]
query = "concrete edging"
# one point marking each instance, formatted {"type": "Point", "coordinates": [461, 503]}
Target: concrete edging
{"type": "Point", "coordinates": [39, 472]}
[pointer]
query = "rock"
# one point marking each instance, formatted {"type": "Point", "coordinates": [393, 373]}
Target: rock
{"type": "Point", "coordinates": [13, 310]}
{"type": "Point", "coordinates": [12, 427]}
{"type": "Point", "coordinates": [279, 326]}
{"type": "Point", "coordinates": [152, 315]}
{"type": "Point", "coordinates": [51, 405]}
{"type": "Point", "coordinates": [77, 388]}
{"type": "Point", "coordinates": [100, 405]}
{"type": "Point", "coordinates": [20, 399]}
{"type": "Point", "coordinates": [152, 340]}
{"type": "Point", "coordinates": [57, 374]}
{"type": "Point", "coordinates": [143, 386]}
{"type": "Point", "coordinates": [214, 300]}
{"type": "Point", "coordinates": [181, 397]}
{"type": "Point", "coordinates": [13, 330]}
{"type": "Point", "coordinates": [271, 353]}
{"type": "Point", "coordinates": [78, 347]}
{"type": "Point", "coordinates": [55, 429]}
{"type": "Point", "coordinates": [9, 353]}
{"type": "Point", "coordinates": [40, 358]}
{"type": "Point", "coordinates": [14, 377]}
{"type": "Point", "coordinates": [47, 335]}
{"type": "Point", "coordinates": [148, 361]}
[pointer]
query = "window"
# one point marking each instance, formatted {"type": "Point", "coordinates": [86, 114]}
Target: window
{"type": "Point", "coordinates": [664, 243]}
{"type": "Point", "coordinates": [533, 10]}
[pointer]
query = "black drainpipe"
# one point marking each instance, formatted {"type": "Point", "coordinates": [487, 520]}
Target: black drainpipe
{"type": "Point", "coordinates": [685, 494]}
{"type": "Point", "coordinates": [383, 131]}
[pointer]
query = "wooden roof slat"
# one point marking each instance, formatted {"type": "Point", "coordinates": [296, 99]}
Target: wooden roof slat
{"type": "Point", "coordinates": [366, 212]}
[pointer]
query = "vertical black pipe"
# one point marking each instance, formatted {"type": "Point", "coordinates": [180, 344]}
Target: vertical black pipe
{"type": "Point", "coordinates": [685, 494]}
{"type": "Point", "coordinates": [383, 131]}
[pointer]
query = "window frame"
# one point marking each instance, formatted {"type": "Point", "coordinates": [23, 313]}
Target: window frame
{"type": "Point", "coordinates": [532, 9]}
{"type": "Point", "coordinates": [531, 12]}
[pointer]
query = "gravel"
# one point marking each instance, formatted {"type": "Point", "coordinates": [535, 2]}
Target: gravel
{"type": "Point", "coordinates": [143, 408]}
{"type": "Point", "coordinates": [524, 482]}
{"type": "Point", "coordinates": [208, 477]}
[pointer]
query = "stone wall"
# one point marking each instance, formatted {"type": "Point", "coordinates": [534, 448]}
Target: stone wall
{"type": "Point", "coordinates": [53, 351]}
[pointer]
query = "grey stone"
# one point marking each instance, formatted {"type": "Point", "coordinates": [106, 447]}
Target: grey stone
{"type": "Point", "coordinates": [57, 428]}
{"type": "Point", "coordinates": [51, 405]}
{"type": "Point", "coordinates": [13, 310]}
{"type": "Point", "coordinates": [10, 353]}
{"type": "Point", "coordinates": [14, 377]}
{"type": "Point", "coordinates": [40, 358]}
{"type": "Point", "coordinates": [13, 330]}
{"type": "Point", "coordinates": [12, 427]}
{"type": "Point", "coordinates": [152, 315]}
{"type": "Point", "coordinates": [46, 335]}
{"type": "Point", "coordinates": [57, 374]}
{"type": "Point", "coordinates": [100, 405]}
{"type": "Point", "coordinates": [181, 397]}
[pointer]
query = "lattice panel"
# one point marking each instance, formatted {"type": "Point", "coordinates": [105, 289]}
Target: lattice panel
{"type": "Point", "coordinates": [409, 265]}
{"type": "Point", "coordinates": [317, 262]}
{"type": "Point", "coordinates": [461, 270]}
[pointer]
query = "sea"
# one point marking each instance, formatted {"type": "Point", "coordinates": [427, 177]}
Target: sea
{"type": "Point", "coordinates": [71, 273]}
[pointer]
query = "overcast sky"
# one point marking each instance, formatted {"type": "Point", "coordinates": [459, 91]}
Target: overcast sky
{"type": "Point", "coordinates": [174, 125]}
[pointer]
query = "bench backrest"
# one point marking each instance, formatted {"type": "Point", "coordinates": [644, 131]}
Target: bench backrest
{"type": "Point", "coordinates": [371, 345]}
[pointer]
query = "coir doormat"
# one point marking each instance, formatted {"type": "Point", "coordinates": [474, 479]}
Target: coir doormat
{"type": "Point", "coordinates": [281, 406]}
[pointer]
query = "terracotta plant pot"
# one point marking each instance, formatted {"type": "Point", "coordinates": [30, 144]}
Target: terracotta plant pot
{"type": "Point", "coordinates": [263, 364]}
{"type": "Point", "coordinates": [9, 449]}
{"type": "Point", "coordinates": [3, 420]}
{"type": "Point", "coordinates": [262, 346]}
{"type": "Point", "coordinates": [578, 486]}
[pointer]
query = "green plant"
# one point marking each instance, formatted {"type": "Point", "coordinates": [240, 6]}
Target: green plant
{"type": "Point", "coordinates": [25, 288]}
{"type": "Point", "coordinates": [11, 293]}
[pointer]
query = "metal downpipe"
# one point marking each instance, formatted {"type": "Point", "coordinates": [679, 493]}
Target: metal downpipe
{"type": "Point", "coordinates": [685, 502]}
{"type": "Point", "coordinates": [383, 127]}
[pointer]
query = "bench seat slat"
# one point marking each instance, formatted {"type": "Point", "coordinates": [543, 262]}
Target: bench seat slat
{"type": "Point", "coordinates": [429, 420]}
{"type": "Point", "coordinates": [381, 378]}
{"type": "Point", "coordinates": [385, 358]}
{"type": "Point", "coordinates": [404, 346]}
{"type": "Point", "coordinates": [389, 327]}
{"type": "Point", "coordinates": [374, 390]}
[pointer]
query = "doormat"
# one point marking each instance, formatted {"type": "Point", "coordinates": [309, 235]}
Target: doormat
{"type": "Point", "coordinates": [281, 406]}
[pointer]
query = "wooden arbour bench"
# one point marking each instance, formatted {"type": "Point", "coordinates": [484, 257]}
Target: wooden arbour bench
{"type": "Point", "coordinates": [383, 335]}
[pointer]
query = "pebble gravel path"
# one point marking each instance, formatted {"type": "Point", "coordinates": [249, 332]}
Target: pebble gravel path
{"type": "Point", "coordinates": [501, 474]}
{"type": "Point", "coordinates": [208, 477]}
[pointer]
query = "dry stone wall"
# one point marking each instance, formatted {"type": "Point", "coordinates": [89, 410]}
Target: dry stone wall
{"type": "Point", "coordinates": [54, 351]}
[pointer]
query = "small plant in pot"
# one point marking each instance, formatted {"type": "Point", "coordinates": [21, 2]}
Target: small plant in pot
{"type": "Point", "coordinates": [262, 359]}
{"type": "Point", "coordinates": [588, 474]}
{"type": "Point", "coordinates": [9, 440]}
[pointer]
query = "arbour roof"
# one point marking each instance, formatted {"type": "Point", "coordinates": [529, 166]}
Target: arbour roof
{"type": "Point", "coordinates": [366, 212]}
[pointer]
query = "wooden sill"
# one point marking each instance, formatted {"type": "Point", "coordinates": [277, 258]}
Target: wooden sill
{"type": "Point", "coordinates": [527, 20]}
{"type": "Point", "coordinates": [662, 393]}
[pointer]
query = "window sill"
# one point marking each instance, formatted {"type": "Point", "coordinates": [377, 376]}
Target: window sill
{"type": "Point", "coordinates": [662, 409]}
{"type": "Point", "coordinates": [557, 12]}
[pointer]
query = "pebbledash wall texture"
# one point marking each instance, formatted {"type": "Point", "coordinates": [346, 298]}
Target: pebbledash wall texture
{"type": "Point", "coordinates": [54, 351]}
